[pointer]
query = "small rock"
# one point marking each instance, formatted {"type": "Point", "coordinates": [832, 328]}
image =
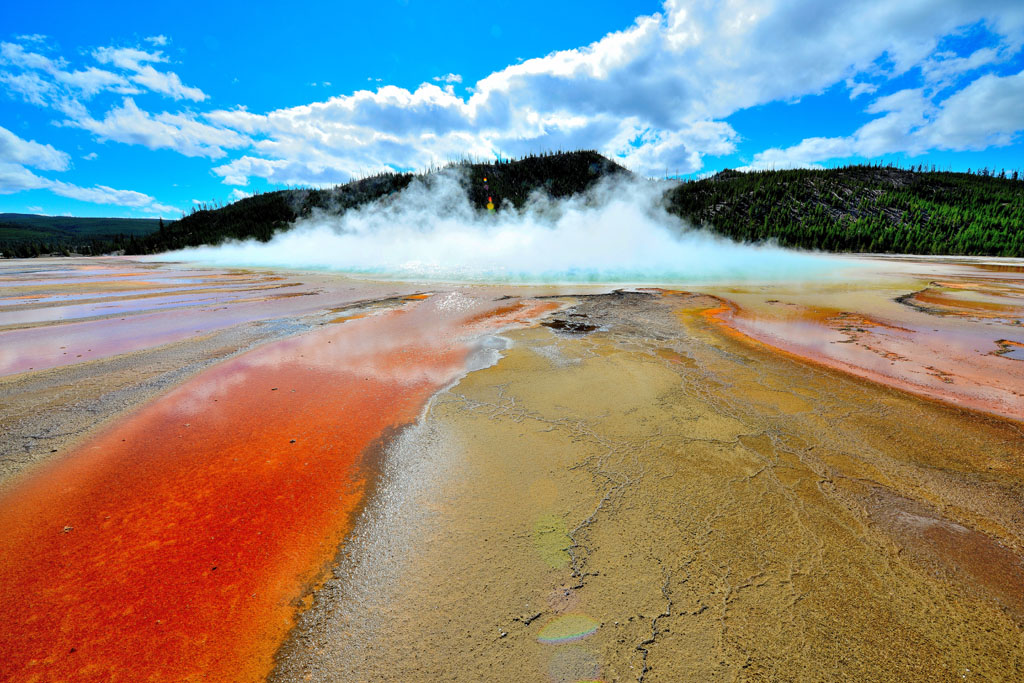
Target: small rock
{"type": "Point", "coordinates": [68, 528]}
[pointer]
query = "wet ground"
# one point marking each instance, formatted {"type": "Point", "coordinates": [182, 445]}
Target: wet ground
{"type": "Point", "coordinates": [387, 481]}
{"type": "Point", "coordinates": [948, 330]}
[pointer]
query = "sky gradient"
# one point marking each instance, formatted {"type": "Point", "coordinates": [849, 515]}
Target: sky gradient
{"type": "Point", "coordinates": [135, 110]}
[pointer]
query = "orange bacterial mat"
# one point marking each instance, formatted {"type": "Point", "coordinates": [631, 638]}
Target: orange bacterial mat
{"type": "Point", "coordinates": [178, 544]}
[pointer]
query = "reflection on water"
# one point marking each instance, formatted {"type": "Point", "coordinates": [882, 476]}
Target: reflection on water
{"type": "Point", "coordinates": [566, 628]}
{"type": "Point", "coordinates": [135, 310]}
{"type": "Point", "coordinates": [1012, 349]}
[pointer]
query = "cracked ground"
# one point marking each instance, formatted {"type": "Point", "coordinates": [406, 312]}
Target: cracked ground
{"type": "Point", "coordinates": [631, 494]}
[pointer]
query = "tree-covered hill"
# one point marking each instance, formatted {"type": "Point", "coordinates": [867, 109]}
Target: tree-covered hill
{"type": "Point", "coordinates": [25, 234]}
{"type": "Point", "coordinates": [854, 209]}
{"type": "Point", "coordinates": [260, 216]}
{"type": "Point", "coordinates": [861, 209]}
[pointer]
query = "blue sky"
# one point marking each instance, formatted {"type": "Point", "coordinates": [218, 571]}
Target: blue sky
{"type": "Point", "coordinates": [136, 109]}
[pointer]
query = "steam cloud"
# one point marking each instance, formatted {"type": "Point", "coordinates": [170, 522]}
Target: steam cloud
{"type": "Point", "coordinates": [616, 233]}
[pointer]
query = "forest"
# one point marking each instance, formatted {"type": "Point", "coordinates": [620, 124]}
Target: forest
{"type": "Point", "coordinates": [871, 209]}
{"type": "Point", "coordinates": [260, 216]}
{"type": "Point", "coordinates": [864, 208]}
{"type": "Point", "coordinates": [25, 235]}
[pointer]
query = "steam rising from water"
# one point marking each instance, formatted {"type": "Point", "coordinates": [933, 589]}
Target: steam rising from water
{"type": "Point", "coordinates": [617, 232]}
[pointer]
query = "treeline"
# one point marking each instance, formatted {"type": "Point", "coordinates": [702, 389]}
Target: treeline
{"type": "Point", "coordinates": [862, 209]}
{"type": "Point", "coordinates": [854, 209]}
{"type": "Point", "coordinates": [67, 247]}
{"type": "Point", "coordinates": [260, 216]}
{"type": "Point", "coordinates": [557, 174]}
{"type": "Point", "coordinates": [28, 235]}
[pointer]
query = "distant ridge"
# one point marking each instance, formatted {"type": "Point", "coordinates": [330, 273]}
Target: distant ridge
{"type": "Point", "coordinates": [560, 175]}
{"type": "Point", "coordinates": [27, 234]}
{"type": "Point", "coordinates": [871, 209]}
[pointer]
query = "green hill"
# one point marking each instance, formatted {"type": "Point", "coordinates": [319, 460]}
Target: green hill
{"type": "Point", "coordinates": [24, 234]}
{"type": "Point", "coordinates": [560, 175]}
{"type": "Point", "coordinates": [861, 209]}
{"type": "Point", "coordinates": [853, 209]}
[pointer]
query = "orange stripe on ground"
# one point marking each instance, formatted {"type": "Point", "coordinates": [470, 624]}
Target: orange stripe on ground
{"type": "Point", "coordinates": [177, 545]}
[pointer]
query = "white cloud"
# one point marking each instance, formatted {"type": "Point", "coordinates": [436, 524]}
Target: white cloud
{"type": "Point", "coordinates": [804, 155]}
{"type": "Point", "coordinates": [167, 83]}
{"type": "Point", "coordinates": [99, 194]}
{"type": "Point", "coordinates": [237, 194]}
{"type": "Point", "coordinates": [38, 90]}
{"type": "Point", "coordinates": [943, 67]}
{"type": "Point", "coordinates": [314, 169]}
{"type": "Point", "coordinates": [181, 132]}
{"type": "Point", "coordinates": [43, 81]}
{"type": "Point", "coordinates": [986, 113]}
{"type": "Point", "coordinates": [92, 81]}
{"type": "Point", "coordinates": [90, 156]}
{"type": "Point", "coordinates": [161, 210]}
{"type": "Point", "coordinates": [47, 82]}
{"type": "Point", "coordinates": [449, 78]}
{"type": "Point", "coordinates": [16, 178]}
{"type": "Point", "coordinates": [127, 58]}
{"type": "Point", "coordinates": [857, 88]}
{"type": "Point", "coordinates": [157, 40]}
{"type": "Point", "coordinates": [140, 62]}
{"type": "Point", "coordinates": [14, 54]}
{"type": "Point", "coordinates": [30, 86]}
{"type": "Point", "coordinates": [17, 155]}
{"type": "Point", "coordinates": [15, 150]}
{"type": "Point", "coordinates": [653, 94]}
{"type": "Point", "coordinates": [681, 151]}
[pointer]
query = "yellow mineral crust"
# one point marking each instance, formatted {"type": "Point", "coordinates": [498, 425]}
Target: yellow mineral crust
{"type": "Point", "coordinates": [657, 500]}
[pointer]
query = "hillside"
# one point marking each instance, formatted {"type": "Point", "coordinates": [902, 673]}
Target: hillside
{"type": "Point", "coordinates": [852, 209]}
{"type": "Point", "coordinates": [560, 175]}
{"type": "Point", "coordinates": [861, 209]}
{"type": "Point", "coordinates": [24, 234]}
